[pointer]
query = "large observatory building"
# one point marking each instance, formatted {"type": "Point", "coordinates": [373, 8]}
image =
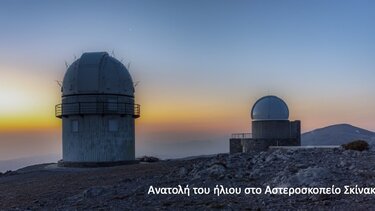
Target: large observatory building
{"type": "Point", "coordinates": [98, 112]}
{"type": "Point", "coordinates": [270, 127]}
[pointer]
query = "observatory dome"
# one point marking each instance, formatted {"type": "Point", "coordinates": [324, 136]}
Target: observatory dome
{"type": "Point", "coordinates": [270, 108]}
{"type": "Point", "coordinates": [97, 73]}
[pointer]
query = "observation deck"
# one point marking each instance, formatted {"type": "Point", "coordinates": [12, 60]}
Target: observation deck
{"type": "Point", "coordinates": [103, 108]}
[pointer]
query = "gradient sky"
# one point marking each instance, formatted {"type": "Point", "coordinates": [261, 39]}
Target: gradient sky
{"type": "Point", "coordinates": [201, 64]}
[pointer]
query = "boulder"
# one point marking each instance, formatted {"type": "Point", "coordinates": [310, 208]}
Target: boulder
{"type": "Point", "coordinates": [358, 145]}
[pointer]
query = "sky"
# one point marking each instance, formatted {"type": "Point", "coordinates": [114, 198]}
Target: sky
{"type": "Point", "coordinates": [200, 65]}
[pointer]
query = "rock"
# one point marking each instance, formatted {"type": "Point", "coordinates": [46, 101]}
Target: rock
{"type": "Point", "coordinates": [148, 159]}
{"type": "Point", "coordinates": [301, 165]}
{"type": "Point", "coordinates": [215, 171]}
{"type": "Point", "coordinates": [182, 171]}
{"type": "Point", "coordinates": [358, 145]}
{"type": "Point", "coordinates": [94, 192]}
{"type": "Point", "coordinates": [351, 167]}
{"type": "Point", "coordinates": [312, 176]}
{"type": "Point", "coordinates": [8, 173]}
{"type": "Point", "coordinates": [342, 163]}
{"type": "Point", "coordinates": [293, 168]}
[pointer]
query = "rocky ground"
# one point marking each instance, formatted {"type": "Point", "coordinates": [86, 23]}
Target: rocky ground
{"type": "Point", "coordinates": [126, 187]}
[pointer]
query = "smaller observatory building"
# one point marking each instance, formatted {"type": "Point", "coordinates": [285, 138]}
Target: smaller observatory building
{"type": "Point", "coordinates": [270, 127]}
{"type": "Point", "coordinates": [98, 112]}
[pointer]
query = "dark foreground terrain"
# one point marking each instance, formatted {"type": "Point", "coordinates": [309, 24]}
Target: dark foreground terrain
{"type": "Point", "coordinates": [126, 187]}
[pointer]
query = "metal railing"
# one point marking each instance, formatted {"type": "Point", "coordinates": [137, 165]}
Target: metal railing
{"type": "Point", "coordinates": [82, 108]}
{"type": "Point", "coordinates": [241, 135]}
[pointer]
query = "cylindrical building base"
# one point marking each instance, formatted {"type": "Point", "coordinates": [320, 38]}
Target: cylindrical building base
{"type": "Point", "coordinates": [271, 129]}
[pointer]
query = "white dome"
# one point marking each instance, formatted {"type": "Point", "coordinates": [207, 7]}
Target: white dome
{"type": "Point", "coordinates": [270, 108]}
{"type": "Point", "coordinates": [97, 73]}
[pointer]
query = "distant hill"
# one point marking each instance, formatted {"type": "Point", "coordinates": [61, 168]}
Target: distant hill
{"type": "Point", "coordinates": [337, 135]}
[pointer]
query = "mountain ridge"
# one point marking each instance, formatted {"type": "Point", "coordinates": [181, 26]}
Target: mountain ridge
{"type": "Point", "coordinates": [337, 134]}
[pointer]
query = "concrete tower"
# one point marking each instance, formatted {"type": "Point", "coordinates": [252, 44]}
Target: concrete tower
{"type": "Point", "coordinates": [270, 127]}
{"type": "Point", "coordinates": [97, 112]}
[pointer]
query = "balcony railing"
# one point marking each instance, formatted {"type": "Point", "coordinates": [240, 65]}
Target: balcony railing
{"type": "Point", "coordinates": [83, 108]}
{"type": "Point", "coordinates": [241, 135]}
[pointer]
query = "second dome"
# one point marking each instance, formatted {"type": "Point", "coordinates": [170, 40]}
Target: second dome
{"type": "Point", "coordinates": [270, 108]}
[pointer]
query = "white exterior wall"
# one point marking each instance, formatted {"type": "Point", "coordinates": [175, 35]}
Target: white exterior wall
{"type": "Point", "coordinates": [94, 142]}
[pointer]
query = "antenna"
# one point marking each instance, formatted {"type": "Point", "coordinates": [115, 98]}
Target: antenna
{"type": "Point", "coordinates": [66, 64]}
{"type": "Point", "coordinates": [59, 83]}
{"type": "Point", "coordinates": [136, 83]}
{"type": "Point", "coordinates": [75, 57]}
{"type": "Point", "coordinates": [129, 65]}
